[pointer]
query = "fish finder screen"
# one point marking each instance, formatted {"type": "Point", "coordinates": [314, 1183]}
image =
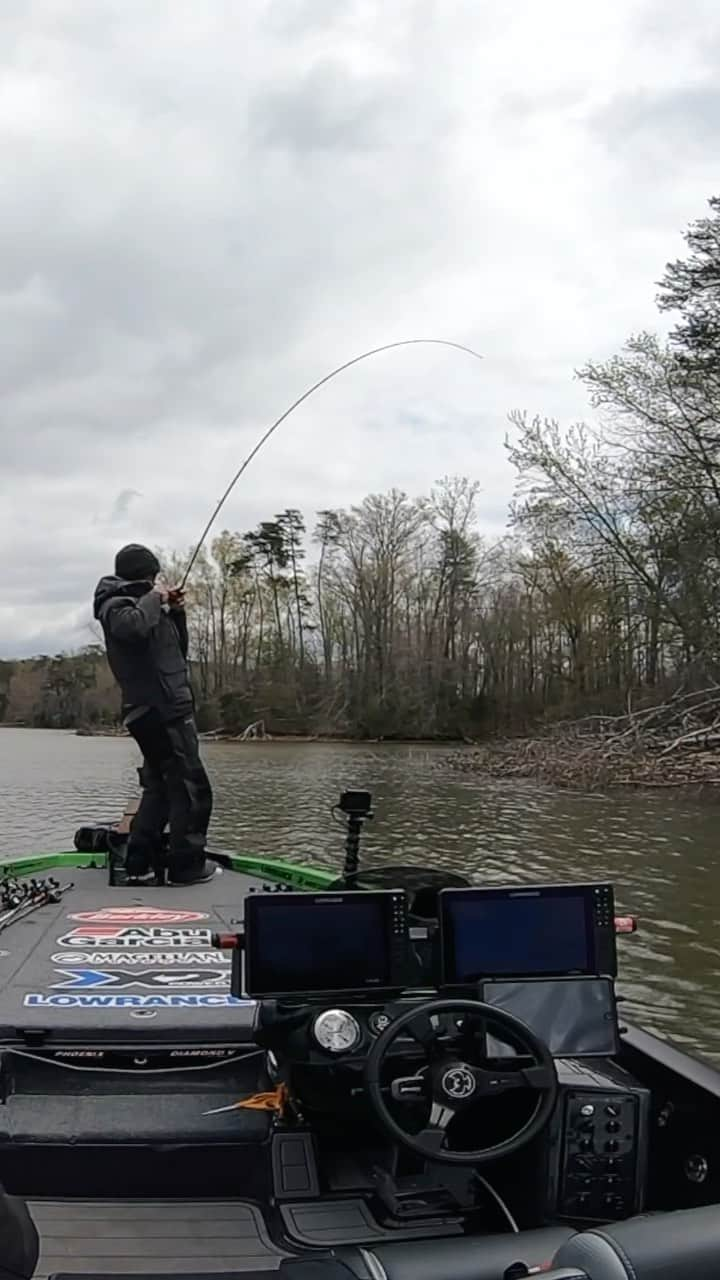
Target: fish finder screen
{"type": "Point", "coordinates": [513, 933]}
{"type": "Point", "coordinates": [301, 943]}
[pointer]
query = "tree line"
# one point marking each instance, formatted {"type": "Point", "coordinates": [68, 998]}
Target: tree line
{"type": "Point", "coordinates": [397, 618]}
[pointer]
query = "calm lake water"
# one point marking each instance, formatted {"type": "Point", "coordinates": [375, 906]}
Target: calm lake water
{"type": "Point", "coordinates": [661, 851]}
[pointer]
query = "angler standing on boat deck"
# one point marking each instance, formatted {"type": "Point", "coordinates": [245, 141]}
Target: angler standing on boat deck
{"type": "Point", "coordinates": [146, 637]}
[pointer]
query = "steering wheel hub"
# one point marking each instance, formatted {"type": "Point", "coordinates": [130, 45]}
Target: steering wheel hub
{"type": "Point", "coordinates": [458, 1082]}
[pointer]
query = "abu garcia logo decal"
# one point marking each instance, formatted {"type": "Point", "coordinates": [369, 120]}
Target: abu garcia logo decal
{"type": "Point", "coordinates": [118, 936]}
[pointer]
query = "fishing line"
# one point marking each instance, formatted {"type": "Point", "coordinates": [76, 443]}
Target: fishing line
{"type": "Point", "coordinates": [388, 346]}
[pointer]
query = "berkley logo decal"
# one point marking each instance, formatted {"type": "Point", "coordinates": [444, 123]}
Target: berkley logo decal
{"type": "Point", "coordinates": [188, 1000]}
{"type": "Point", "coordinates": [180, 979]}
{"type": "Point", "coordinates": [137, 915]}
{"type": "Point", "coordinates": [115, 936]}
{"type": "Point", "coordinates": [134, 959]}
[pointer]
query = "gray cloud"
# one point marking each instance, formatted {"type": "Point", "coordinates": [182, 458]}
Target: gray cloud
{"type": "Point", "coordinates": [327, 111]}
{"type": "Point", "coordinates": [211, 205]}
{"type": "Point", "coordinates": [661, 121]}
{"type": "Point", "coordinates": [121, 506]}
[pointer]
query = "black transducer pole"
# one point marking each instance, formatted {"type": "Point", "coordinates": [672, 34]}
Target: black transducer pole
{"type": "Point", "coordinates": [352, 846]}
{"type": "Point", "coordinates": [356, 806]}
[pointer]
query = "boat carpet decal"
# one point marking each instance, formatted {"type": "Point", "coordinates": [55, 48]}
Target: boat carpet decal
{"type": "Point", "coordinates": [120, 964]}
{"type": "Point", "coordinates": [150, 1239]}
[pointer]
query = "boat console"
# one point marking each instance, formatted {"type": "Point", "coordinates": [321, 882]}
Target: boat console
{"type": "Point", "coordinates": [490, 1045]}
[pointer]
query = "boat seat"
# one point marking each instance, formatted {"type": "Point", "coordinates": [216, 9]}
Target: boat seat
{"type": "Point", "coordinates": [19, 1245]}
{"type": "Point", "coordinates": [682, 1245]}
{"type": "Point", "coordinates": [448, 1258]}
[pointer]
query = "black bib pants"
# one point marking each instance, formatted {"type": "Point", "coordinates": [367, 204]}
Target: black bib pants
{"type": "Point", "coordinates": [175, 789]}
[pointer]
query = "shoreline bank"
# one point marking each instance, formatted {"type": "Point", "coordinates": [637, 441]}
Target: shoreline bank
{"type": "Point", "coordinates": [275, 739]}
{"type": "Point", "coordinates": [669, 745]}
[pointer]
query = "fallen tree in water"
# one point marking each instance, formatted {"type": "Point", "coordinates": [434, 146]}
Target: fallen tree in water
{"type": "Point", "coordinates": [673, 744]}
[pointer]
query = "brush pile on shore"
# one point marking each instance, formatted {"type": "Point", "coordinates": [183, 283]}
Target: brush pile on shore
{"type": "Point", "coordinates": [674, 744]}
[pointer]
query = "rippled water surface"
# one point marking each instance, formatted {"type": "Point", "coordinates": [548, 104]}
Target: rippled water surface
{"type": "Point", "coordinates": [660, 851]}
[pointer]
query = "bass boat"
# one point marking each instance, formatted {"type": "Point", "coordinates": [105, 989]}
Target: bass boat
{"type": "Point", "coordinates": [384, 1074]}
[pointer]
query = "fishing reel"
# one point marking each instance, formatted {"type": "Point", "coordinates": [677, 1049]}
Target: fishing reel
{"type": "Point", "coordinates": [20, 898]}
{"type": "Point", "coordinates": [48, 888]}
{"type": "Point", "coordinates": [16, 893]}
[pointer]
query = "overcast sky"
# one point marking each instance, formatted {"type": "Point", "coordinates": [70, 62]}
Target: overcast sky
{"type": "Point", "coordinates": [206, 204]}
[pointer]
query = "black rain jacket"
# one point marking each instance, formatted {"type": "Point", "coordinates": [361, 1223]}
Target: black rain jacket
{"type": "Point", "coordinates": [146, 646]}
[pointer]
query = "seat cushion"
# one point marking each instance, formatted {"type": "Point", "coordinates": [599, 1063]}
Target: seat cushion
{"type": "Point", "coordinates": [321, 1268]}
{"type": "Point", "coordinates": [327, 1268]}
{"type": "Point", "coordinates": [684, 1245]}
{"type": "Point", "coordinates": [448, 1258]}
{"type": "Point", "coordinates": [19, 1245]}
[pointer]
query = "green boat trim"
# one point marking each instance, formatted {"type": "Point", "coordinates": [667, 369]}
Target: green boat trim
{"type": "Point", "coordinates": [277, 870]}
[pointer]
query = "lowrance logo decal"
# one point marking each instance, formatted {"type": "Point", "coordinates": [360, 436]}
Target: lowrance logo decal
{"type": "Point", "coordinates": [187, 1000]}
{"type": "Point", "coordinates": [137, 915]}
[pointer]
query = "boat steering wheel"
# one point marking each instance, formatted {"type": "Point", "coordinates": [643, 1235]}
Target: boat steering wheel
{"type": "Point", "coordinates": [452, 1083]}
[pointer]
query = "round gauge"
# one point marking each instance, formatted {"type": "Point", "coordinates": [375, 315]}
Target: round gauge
{"type": "Point", "coordinates": [336, 1031]}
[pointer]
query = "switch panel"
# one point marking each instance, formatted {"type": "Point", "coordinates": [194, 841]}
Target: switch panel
{"type": "Point", "coordinates": [602, 1145]}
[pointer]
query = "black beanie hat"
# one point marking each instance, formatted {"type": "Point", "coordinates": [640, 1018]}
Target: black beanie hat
{"type": "Point", "coordinates": [136, 564]}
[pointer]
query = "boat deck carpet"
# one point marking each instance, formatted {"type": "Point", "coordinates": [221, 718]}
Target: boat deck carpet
{"type": "Point", "coordinates": [151, 1238]}
{"type": "Point", "coordinates": [111, 964]}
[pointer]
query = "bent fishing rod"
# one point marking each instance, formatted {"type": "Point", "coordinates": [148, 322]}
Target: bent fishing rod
{"type": "Point", "coordinates": [388, 346]}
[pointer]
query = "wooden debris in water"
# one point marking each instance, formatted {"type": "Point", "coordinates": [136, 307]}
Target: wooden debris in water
{"type": "Point", "coordinates": [673, 744]}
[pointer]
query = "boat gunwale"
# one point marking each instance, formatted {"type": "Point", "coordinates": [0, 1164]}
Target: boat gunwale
{"type": "Point", "coordinates": [275, 869]}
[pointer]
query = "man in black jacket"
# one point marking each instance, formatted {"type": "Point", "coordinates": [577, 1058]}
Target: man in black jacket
{"type": "Point", "coordinates": [146, 638]}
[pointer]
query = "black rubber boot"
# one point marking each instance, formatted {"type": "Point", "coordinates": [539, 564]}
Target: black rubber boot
{"type": "Point", "coordinates": [138, 867]}
{"type": "Point", "coordinates": [192, 872]}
